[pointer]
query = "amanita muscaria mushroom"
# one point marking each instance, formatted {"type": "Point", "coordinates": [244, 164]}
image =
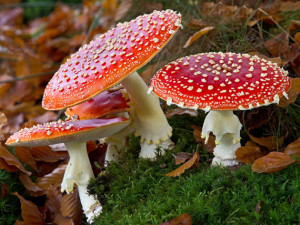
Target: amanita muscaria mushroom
{"type": "Point", "coordinates": [221, 82]}
{"type": "Point", "coordinates": [74, 134]}
{"type": "Point", "coordinates": [113, 58]}
{"type": "Point", "coordinates": [109, 103]}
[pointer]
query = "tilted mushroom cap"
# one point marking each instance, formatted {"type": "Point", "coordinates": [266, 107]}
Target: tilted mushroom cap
{"type": "Point", "coordinates": [221, 81]}
{"type": "Point", "coordinates": [67, 131]}
{"type": "Point", "coordinates": [107, 102]}
{"type": "Point", "coordinates": [107, 60]}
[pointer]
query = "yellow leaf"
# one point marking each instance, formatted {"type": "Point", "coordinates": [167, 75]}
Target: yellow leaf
{"type": "Point", "coordinates": [197, 35]}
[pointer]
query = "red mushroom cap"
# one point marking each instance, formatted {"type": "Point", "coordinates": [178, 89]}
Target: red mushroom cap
{"type": "Point", "coordinates": [67, 131]}
{"type": "Point", "coordinates": [107, 60]}
{"type": "Point", "coordinates": [221, 81]}
{"type": "Point", "coordinates": [107, 102]}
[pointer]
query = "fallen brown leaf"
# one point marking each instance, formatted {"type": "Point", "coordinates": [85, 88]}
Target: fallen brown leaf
{"type": "Point", "coordinates": [194, 161]}
{"type": "Point", "coordinates": [273, 162]}
{"type": "Point", "coordinates": [70, 206]}
{"type": "Point", "coordinates": [292, 93]}
{"type": "Point", "coordinates": [4, 190]}
{"type": "Point", "coordinates": [181, 157]}
{"type": "Point", "coordinates": [278, 44]}
{"type": "Point", "coordinates": [30, 185]}
{"type": "Point", "coordinates": [53, 198]}
{"type": "Point", "coordinates": [44, 153]}
{"type": "Point", "coordinates": [293, 149]}
{"type": "Point", "coordinates": [61, 220]}
{"type": "Point", "coordinates": [30, 212]}
{"type": "Point", "coordinates": [197, 35]}
{"type": "Point", "coordinates": [270, 142]}
{"type": "Point", "coordinates": [54, 178]}
{"type": "Point", "coordinates": [258, 206]}
{"type": "Point", "coordinates": [209, 147]}
{"type": "Point", "coordinates": [184, 219]}
{"type": "Point", "coordinates": [25, 156]}
{"type": "Point", "coordinates": [289, 6]}
{"type": "Point", "coordinates": [122, 9]}
{"type": "Point", "coordinates": [181, 111]}
{"type": "Point", "coordinates": [249, 153]}
{"type": "Point", "coordinates": [9, 162]}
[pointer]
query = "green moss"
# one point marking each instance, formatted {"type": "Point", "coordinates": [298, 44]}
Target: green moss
{"type": "Point", "coordinates": [142, 194]}
{"type": "Point", "coordinates": [10, 209]}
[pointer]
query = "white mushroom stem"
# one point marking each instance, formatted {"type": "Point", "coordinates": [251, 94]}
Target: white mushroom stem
{"type": "Point", "coordinates": [148, 119]}
{"type": "Point", "coordinates": [79, 171]}
{"type": "Point", "coordinates": [116, 144]}
{"type": "Point", "coordinates": [226, 127]}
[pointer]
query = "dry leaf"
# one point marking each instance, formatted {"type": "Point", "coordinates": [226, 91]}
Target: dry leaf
{"type": "Point", "coordinates": [258, 206]}
{"type": "Point", "coordinates": [54, 178]}
{"type": "Point", "coordinates": [270, 142]}
{"type": "Point", "coordinates": [209, 147]}
{"type": "Point", "coordinates": [25, 156]}
{"type": "Point", "coordinates": [194, 161]}
{"type": "Point", "coordinates": [273, 162]}
{"type": "Point", "coordinates": [197, 23]}
{"type": "Point", "coordinates": [297, 37]}
{"type": "Point", "coordinates": [4, 191]}
{"type": "Point", "coordinates": [147, 74]}
{"type": "Point", "coordinates": [181, 157]}
{"type": "Point", "coordinates": [197, 35]}
{"type": "Point", "coordinates": [249, 153]}
{"type": "Point", "coordinates": [29, 184]}
{"type": "Point", "coordinates": [293, 149]}
{"type": "Point", "coordinates": [184, 219]}
{"type": "Point", "coordinates": [181, 111]}
{"type": "Point", "coordinates": [19, 222]}
{"type": "Point", "coordinates": [278, 44]}
{"type": "Point", "coordinates": [44, 153]}
{"type": "Point", "coordinates": [291, 6]}
{"type": "Point", "coordinates": [53, 199]}
{"type": "Point", "coordinates": [292, 93]}
{"type": "Point", "coordinates": [61, 220]}
{"type": "Point", "coordinates": [30, 212]}
{"type": "Point", "coordinates": [122, 9]}
{"type": "Point", "coordinates": [70, 206]}
{"type": "Point", "coordinates": [9, 162]}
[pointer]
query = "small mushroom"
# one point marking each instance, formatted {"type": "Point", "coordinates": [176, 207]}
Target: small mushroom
{"type": "Point", "coordinates": [113, 58]}
{"type": "Point", "coordinates": [74, 134]}
{"type": "Point", "coordinates": [109, 103]}
{"type": "Point", "coordinates": [220, 83]}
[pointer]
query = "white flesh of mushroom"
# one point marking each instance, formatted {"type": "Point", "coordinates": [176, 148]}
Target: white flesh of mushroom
{"type": "Point", "coordinates": [148, 119]}
{"type": "Point", "coordinates": [226, 127]}
{"type": "Point", "coordinates": [79, 171]}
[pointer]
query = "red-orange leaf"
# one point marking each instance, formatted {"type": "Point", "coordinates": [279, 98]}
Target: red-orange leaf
{"type": "Point", "coordinates": [30, 212]}
{"type": "Point", "coordinates": [273, 162]}
{"type": "Point", "coordinates": [197, 35]}
{"type": "Point", "coordinates": [184, 219]}
{"type": "Point", "coordinates": [194, 161]}
{"type": "Point", "coordinates": [249, 153]}
{"type": "Point", "coordinates": [10, 163]}
{"type": "Point", "coordinates": [293, 149]}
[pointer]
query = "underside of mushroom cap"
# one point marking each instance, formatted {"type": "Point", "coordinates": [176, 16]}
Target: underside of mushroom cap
{"type": "Point", "coordinates": [107, 102]}
{"type": "Point", "coordinates": [67, 131]}
{"type": "Point", "coordinates": [108, 59]}
{"type": "Point", "coordinates": [221, 81]}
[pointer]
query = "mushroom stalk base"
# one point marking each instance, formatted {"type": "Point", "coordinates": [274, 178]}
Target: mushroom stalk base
{"type": "Point", "coordinates": [148, 119]}
{"type": "Point", "coordinates": [226, 127]}
{"type": "Point", "coordinates": [79, 171]}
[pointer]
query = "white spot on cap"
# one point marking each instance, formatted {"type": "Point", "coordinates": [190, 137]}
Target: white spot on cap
{"type": "Point", "coordinates": [210, 87]}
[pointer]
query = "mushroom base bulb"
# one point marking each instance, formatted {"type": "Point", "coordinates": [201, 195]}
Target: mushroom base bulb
{"type": "Point", "coordinates": [79, 171]}
{"type": "Point", "coordinates": [150, 151]}
{"type": "Point", "coordinates": [226, 127]}
{"type": "Point", "coordinates": [148, 119]}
